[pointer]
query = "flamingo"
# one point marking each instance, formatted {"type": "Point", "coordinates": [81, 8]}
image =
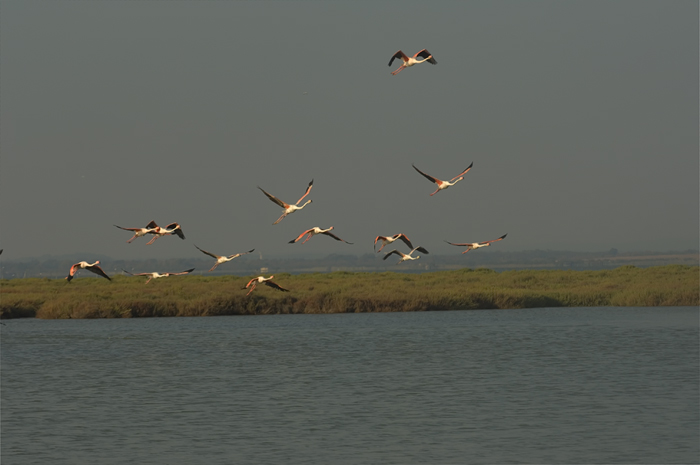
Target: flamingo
{"type": "Point", "coordinates": [138, 232]}
{"type": "Point", "coordinates": [444, 184]}
{"type": "Point", "coordinates": [389, 239]}
{"type": "Point", "coordinates": [169, 230]}
{"type": "Point", "coordinates": [265, 281]}
{"type": "Point", "coordinates": [477, 245]}
{"type": "Point", "coordinates": [410, 61]}
{"type": "Point", "coordinates": [316, 230]}
{"type": "Point", "coordinates": [86, 266]}
{"type": "Point", "coordinates": [289, 208]}
{"type": "Point", "coordinates": [406, 256]}
{"type": "Point", "coordinates": [155, 274]}
{"type": "Point", "coordinates": [222, 259]}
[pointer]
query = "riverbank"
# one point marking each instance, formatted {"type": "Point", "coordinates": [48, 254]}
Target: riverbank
{"type": "Point", "coordinates": [343, 292]}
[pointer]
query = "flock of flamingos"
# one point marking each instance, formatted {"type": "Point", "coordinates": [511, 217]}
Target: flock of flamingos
{"type": "Point", "coordinates": [175, 229]}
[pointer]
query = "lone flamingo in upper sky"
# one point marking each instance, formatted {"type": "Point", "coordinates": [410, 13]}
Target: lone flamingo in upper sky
{"type": "Point", "coordinates": [86, 266]}
{"type": "Point", "coordinates": [316, 230]}
{"type": "Point", "coordinates": [389, 239]}
{"type": "Point", "coordinates": [445, 184]}
{"type": "Point", "coordinates": [477, 245]}
{"type": "Point", "coordinates": [138, 232]}
{"type": "Point", "coordinates": [222, 259]}
{"type": "Point", "coordinates": [287, 207]}
{"type": "Point", "coordinates": [406, 256]}
{"type": "Point", "coordinates": [410, 61]}
{"type": "Point", "coordinates": [155, 274]}
{"type": "Point", "coordinates": [265, 281]}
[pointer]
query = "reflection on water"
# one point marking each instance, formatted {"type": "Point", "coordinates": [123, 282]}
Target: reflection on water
{"type": "Point", "coordinates": [610, 385]}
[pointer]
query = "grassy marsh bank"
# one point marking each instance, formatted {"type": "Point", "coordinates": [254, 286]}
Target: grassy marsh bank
{"type": "Point", "coordinates": [343, 292]}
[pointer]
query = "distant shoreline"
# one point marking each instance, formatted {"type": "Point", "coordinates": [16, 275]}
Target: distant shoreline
{"type": "Point", "coordinates": [344, 292]}
{"type": "Point", "coordinates": [56, 267]}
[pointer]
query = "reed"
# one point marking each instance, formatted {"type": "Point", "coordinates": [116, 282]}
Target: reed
{"type": "Point", "coordinates": [344, 292]}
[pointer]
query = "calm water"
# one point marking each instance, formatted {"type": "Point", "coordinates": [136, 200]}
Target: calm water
{"type": "Point", "coordinates": [604, 385]}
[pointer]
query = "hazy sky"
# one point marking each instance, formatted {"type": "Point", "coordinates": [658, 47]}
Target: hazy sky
{"type": "Point", "coordinates": [581, 118]}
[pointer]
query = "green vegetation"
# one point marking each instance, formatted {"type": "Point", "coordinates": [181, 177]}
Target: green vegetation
{"type": "Point", "coordinates": [344, 292]}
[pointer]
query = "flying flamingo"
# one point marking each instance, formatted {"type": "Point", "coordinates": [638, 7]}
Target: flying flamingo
{"type": "Point", "coordinates": [406, 256]}
{"type": "Point", "coordinates": [138, 232]}
{"type": "Point", "coordinates": [445, 184]}
{"type": "Point", "coordinates": [389, 239]}
{"type": "Point", "coordinates": [222, 259]}
{"type": "Point", "coordinates": [410, 61]}
{"type": "Point", "coordinates": [316, 230]}
{"type": "Point", "coordinates": [477, 245]}
{"type": "Point", "coordinates": [169, 230]}
{"type": "Point", "coordinates": [86, 266]}
{"type": "Point", "coordinates": [155, 274]}
{"type": "Point", "coordinates": [289, 208]}
{"type": "Point", "coordinates": [265, 281]}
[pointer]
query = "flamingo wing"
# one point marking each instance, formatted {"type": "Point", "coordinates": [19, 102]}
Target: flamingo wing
{"type": "Point", "coordinates": [377, 239]}
{"type": "Point", "coordinates": [308, 189]}
{"type": "Point", "coordinates": [239, 254]}
{"type": "Point", "coordinates": [392, 253]}
{"type": "Point", "coordinates": [300, 236]}
{"type": "Point", "coordinates": [97, 270]}
{"type": "Point", "coordinates": [129, 229]}
{"type": "Point", "coordinates": [174, 228]}
{"type": "Point", "coordinates": [494, 240]}
{"type": "Point", "coordinates": [276, 286]}
{"type": "Point", "coordinates": [274, 199]}
{"type": "Point", "coordinates": [430, 178]}
{"type": "Point", "coordinates": [208, 253]}
{"type": "Point", "coordinates": [151, 225]}
{"type": "Point", "coordinates": [463, 244]}
{"type": "Point", "coordinates": [421, 250]}
{"type": "Point", "coordinates": [182, 272]}
{"type": "Point", "coordinates": [137, 274]}
{"type": "Point", "coordinates": [405, 240]}
{"type": "Point", "coordinates": [426, 54]}
{"type": "Point", "coordinates": [399, 55]}
{"type": "Point", "coordinates": [463, 172]}
{"type": "Point", "coordinates": [336, 237]}
{"type": "Point", "coordinates": [72, 271]}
